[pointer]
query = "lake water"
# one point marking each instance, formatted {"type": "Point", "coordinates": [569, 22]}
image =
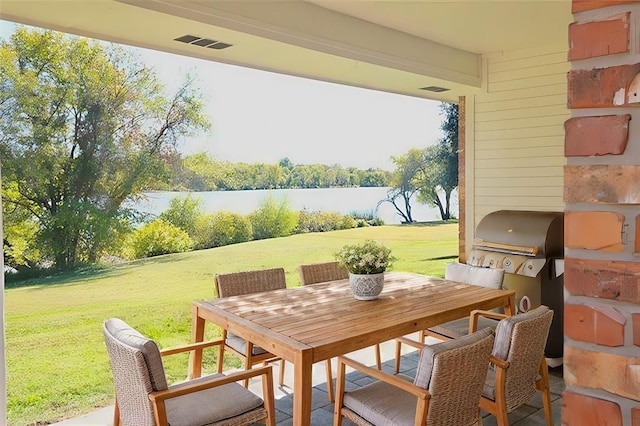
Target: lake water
{"type": "Point", "coordinates": [342, 200]}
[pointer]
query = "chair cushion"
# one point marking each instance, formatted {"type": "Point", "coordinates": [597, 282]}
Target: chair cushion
{"type": "Point", "coordinates": [131, 337]}
{"type": "Point", "coordinates": [483, 277]}
{"type": "Point", "coordinates": [460, 327]}
{"type": "Point", "coordinates": [431, 352]}
{"type": "Point", "coordinates": [240, 345]}
{"type": "Point", "coordinates": [372, 403]}
{"type": "Point", "coordinates": [210, 405]}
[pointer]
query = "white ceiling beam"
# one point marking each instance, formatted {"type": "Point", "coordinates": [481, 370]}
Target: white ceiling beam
{"type": "Point", "coordinates": [312, 27]}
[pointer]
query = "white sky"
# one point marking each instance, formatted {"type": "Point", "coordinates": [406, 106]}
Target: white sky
{"type": "Point", "coordinates": [258, 116]}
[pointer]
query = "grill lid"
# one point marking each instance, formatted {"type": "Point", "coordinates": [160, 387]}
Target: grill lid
{"type": "Point", "coordinates": [525, 233]}
{"type": "Point", "coordinates": [520, 242]}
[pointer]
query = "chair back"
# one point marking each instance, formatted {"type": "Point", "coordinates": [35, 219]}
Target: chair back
{"type": "Point", "coordinates": [520, 340]}
{"type": "Point", "coordinates": [237, 283]}
{"type": "Point", "coordinates": [322, 272]}
{"type": "Point", "coordinates": [476, 275]}
{"type": "Point", "coordinates": [137, 370]}
{"type": "Point", "coordinates": [454, 373]}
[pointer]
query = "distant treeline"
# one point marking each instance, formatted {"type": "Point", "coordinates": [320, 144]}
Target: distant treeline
{"type": "Point", "coordinates": [200, 172]}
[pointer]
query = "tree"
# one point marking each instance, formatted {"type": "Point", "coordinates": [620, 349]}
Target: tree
{"type": "Point", "coordinates": [441, 164]}
{"type": "Point", "coordinates": [83, 127]}
{"type": "Point", "coordinates": [403, 182]}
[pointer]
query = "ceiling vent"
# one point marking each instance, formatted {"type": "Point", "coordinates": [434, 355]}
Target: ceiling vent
{"type": "Point", "coordinates": [203, 42]}
{"type": "Point", "coordinates": [436, 89]}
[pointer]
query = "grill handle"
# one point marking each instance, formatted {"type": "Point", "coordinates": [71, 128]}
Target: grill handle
{"type": "Point", "coordinates": [506, 248]}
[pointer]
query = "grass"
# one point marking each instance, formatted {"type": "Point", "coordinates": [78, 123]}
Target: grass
{"type": "Point", "coordinates": [56, 358]}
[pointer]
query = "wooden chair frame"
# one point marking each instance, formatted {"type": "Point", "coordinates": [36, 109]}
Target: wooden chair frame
{"type": "Point", "coordinates": [457, 402]}
{"type": "Point", "coordinates": [422, 395]}
{"type": "Point", "coordinates": [499, 407]}
{"type": "Point", "coordinates": [159, 398]}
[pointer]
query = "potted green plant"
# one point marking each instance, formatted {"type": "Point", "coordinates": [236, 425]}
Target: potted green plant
{"type": "Point", "coordinates": [366, 263]}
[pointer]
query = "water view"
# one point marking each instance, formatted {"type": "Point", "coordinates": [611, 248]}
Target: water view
{"type": "Point", "coordinates": [342, 200]}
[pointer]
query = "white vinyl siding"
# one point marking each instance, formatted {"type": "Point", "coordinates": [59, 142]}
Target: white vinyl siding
{"type": "Point", "coordinates": [519, 117]}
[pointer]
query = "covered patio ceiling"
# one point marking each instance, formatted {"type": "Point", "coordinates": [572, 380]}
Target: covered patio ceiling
{"type": "Point", "coordinates": [394, 45]}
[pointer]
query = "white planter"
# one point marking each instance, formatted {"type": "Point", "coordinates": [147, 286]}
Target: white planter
{"type": "Point", "coordinates": [366, 287]}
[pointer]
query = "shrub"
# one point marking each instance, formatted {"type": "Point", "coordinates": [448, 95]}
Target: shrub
{"type": "Point", "coordinates": [221, 229]}
{"type": "Point", "coordinates": [318, 221]}
{"type": "Point", "coordinates": [273, 219]}
{"type": "Point", "coordinates": [369, 218]}
{"type": "Point", "coordinates": [184, 212]}
{"type": "Point", "coordinates": [348, 222]}
{"type": "Point", "coordinates": [156, 238]}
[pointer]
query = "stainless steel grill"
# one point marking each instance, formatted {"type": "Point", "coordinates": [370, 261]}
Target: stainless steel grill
{"type": "Point", "coordinates": [529, 246]}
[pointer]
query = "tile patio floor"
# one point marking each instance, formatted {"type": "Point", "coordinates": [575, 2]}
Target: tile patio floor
{"type": "Point", "coordinates": [530, 414]}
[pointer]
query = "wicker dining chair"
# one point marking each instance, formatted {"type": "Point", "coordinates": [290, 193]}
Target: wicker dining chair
{"type": "Point", "coordinates": [322, 272]}
{"type": "Point", "coordinates": [460, 272]}
{"type": "Point", "coordinates": [446, 389]}
{"type": "Point", "coordinates": [247, 282]}
{"type": "Point", "coordinates": [143, 397]}
{"type": "Point", "coordinates": [519, 366]}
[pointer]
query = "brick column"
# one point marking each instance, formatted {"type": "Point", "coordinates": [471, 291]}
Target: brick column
{"type": "Point", "coordinates": [602, 196]}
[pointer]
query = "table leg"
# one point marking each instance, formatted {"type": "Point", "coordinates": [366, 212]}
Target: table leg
{"type": "Point", "coordinates": [302, 384]}
{"type": "Point", "coordinates": [197, 334]}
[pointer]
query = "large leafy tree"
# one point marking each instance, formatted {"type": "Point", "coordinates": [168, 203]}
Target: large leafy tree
{"type": "Point", "coordinates": [440, 173]}
{"type": "Point", "coordinates": [403, 183]}
{"type": "Point", "coordinates": [428, 172]}
{"type": "Point", "coordinates": [83, 128]}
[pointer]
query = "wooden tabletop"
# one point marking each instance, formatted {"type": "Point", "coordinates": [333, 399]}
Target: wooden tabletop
{"type": "Point", "coordinates": [325, 319]}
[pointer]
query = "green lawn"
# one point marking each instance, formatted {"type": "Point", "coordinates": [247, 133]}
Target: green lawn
{"type": "Point", "coordinates": [57, 363]}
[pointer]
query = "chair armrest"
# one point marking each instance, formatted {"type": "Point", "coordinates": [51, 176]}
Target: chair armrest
{"type": "Point", "coordinates": [410, 342]}
{"type": "Point", "coordinates": [214, 381]}
{"type": "Point", "coordinates": [190, 347]}
{"type": "Point", "coordinates": [385, 377]}
{"type": "Point", "coordinates": [473, 318]}
{"type": "Point", "coordinates": [498, 362]}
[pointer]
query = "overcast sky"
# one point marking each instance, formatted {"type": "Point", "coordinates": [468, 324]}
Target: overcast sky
{"type": "Point", "coordinates": [258, 116]}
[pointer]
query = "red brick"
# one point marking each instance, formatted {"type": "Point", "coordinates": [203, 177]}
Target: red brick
{"type": "Point", "coordinates": [600, 325]}
{"type": "Point", "coordinates": [598, 87]}
{"type": "Point", "coordinates": [582, 5]}
{"type": "Point", "coordinates": [599, 38]}
{"type": "Point", "coordinates": [635, 417]}
{"type": "Point", "coordinates": [579, 323]}
{"type": "Point", "coordinates": [616, 280]}
{"type": "Point", "coordinates": [583, 410]}
{"type": "Point", "coordinates": [586, 136]}
{"type": "Point", "coordinates": [610, 184]}
{"type": "Point", "coordinates": [637, 244]}
{"type": "Point", "coordinates": [635, 319]}
{"type": "Point", "coordinates": [609, 326]}
{"type": "Point", "coordinates": [617, 374]}
{"type": "Point", "coordinates": [593, 231]}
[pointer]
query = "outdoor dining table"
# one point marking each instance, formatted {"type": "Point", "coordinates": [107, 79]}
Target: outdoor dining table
{"type": "Point", "coordinates": [312, 323]}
